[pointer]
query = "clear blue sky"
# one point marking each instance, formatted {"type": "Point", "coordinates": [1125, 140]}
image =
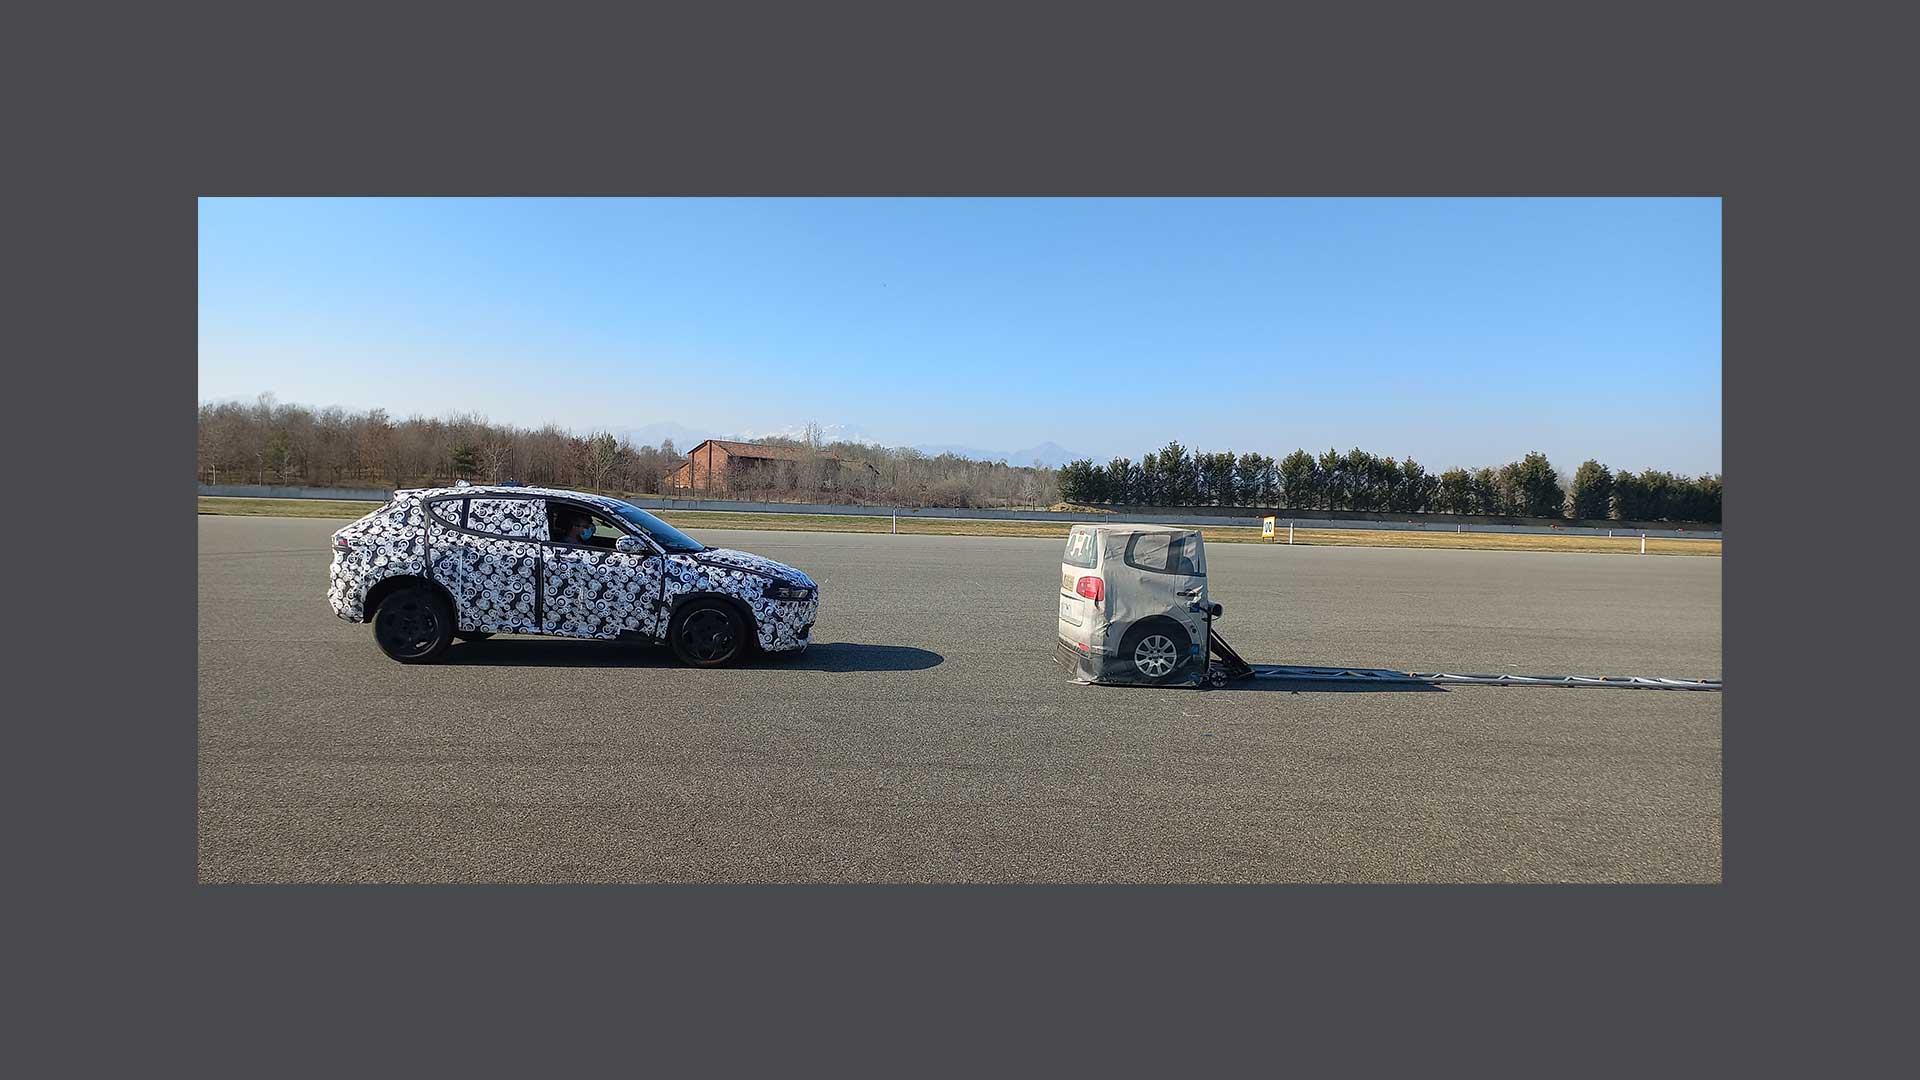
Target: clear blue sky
{"type": "Point", "coordinates": [1457, 331]}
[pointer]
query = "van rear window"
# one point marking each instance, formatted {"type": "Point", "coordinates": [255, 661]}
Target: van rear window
{"type": "Point", "coordinates": [1080, 550]}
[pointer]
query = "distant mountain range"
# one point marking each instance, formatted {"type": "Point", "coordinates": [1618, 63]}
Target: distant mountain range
{"type": "Point", "coordinates": [1047, 453]}
{"type": "Point", "coordinates": [828, 433]}
{"type": "Point", "coordinates": [686, 438]}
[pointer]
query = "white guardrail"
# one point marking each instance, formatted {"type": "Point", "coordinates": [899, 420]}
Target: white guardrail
{"type": "Point", "coordinates": [274, 491]}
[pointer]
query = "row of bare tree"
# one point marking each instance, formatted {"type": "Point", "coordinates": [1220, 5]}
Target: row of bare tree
{"type": "Point", "coordinates": [900, 476]}
{"type": "Point", "coordinates": [267, 442]}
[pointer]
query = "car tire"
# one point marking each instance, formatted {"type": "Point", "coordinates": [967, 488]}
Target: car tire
{"type": "Point", "coordinates": [414, 625]}
{"type": "Point", "coordinates": [708, 633]}
{"type": "Point", "coordinates": [1153, 651]}
{"type": "Point", "coordinates": [473, 635]}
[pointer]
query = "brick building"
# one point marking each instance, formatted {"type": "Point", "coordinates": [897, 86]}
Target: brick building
{"type": "Point", "coordinates": [720, 467]}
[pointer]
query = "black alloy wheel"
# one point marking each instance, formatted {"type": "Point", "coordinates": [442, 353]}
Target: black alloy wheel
{"type": "Point", "coordinates": [708, 633]}
{"type": "Point", "coordinates": [413, 626]}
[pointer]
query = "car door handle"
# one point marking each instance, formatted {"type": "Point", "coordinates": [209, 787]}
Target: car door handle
{"type": "Point", "coordinates": [1195, 591]}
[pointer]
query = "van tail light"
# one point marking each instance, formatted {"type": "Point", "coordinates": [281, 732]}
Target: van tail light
{"type": "Point", "coordinates": [340, 544]}
{"type": "Point", "coordinates": [1093, 588]}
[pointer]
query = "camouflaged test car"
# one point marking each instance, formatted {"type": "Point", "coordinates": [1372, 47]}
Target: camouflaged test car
{"type": "Point", "coordinates": [472, 561]}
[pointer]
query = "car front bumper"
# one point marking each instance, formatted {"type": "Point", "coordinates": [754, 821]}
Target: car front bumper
{"type": "Point", "coordinates": [785, 625]}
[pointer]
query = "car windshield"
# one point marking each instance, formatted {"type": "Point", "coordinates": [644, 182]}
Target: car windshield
{"type": "Point", "coordinates": [668, 537]}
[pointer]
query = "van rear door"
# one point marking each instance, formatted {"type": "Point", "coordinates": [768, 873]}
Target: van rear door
{"type": "Point", "coordinates": [1081, 589]}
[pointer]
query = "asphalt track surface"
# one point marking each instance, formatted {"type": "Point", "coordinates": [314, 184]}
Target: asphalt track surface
{"type": "Point", "coordinates": [928, 737]}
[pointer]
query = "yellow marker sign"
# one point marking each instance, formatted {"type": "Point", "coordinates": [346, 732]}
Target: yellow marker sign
{"type": "Point", "coordinates": [1266, 527]}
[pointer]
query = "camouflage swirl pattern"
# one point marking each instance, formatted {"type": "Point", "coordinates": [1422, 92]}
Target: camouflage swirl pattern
{"type": "Point", "coordinates": [504, 575]}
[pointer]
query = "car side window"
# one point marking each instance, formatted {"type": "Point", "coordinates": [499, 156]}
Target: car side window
{"type": "Point", "coordinates": [450, 511]}
{"type": "Point", "coordinates": [607, 529]}
{"type": "Point", "coordinates": [512, 519]}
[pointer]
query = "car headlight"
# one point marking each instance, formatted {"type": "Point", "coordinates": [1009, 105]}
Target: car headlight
{"type": "Point", "coordinates": [780, 590]}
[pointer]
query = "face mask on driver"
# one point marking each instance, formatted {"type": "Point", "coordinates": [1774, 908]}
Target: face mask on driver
{"type": "Point", "coordinates": [586, 533]}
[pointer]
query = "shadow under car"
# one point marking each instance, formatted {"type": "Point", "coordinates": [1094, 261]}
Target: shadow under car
{"type": "Point", "coordinates": [836, 656]}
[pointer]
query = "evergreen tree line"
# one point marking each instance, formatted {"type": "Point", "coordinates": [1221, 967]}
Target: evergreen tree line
{"type": "Point", "coordinates": [1361, 481]}
{"type": "Point", "coordinates": [266, 442]}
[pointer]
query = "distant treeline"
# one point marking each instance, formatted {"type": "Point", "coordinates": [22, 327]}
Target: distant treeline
{"type": "Point", "coordinates": [266, 442]}
{"type": "Point", "coordinates": [1361, 481]}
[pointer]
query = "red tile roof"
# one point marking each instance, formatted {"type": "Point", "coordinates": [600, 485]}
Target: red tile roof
{"type": "Point", "coordinates": [760, 450]}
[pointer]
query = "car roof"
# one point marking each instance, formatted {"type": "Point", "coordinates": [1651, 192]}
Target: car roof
{"type": "Point", "coordinates": [603, 501]}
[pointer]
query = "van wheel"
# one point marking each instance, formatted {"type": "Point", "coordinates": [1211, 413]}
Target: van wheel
{"type": "Point", "coordinates": [1153, 651]}
{"type": "Point", "coordinates": [414, 625]}
{"type": "Point", "coordinates": [707, 633]}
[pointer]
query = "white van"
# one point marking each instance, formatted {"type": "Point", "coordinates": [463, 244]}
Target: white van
{"type": "Point", "coordinates": [1133, 604]}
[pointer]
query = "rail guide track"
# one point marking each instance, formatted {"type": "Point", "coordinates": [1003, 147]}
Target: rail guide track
{"type": "Point", "coordinates": [1228, 666]}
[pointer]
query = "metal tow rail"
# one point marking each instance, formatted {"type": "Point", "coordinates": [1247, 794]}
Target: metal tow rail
{"type": "Point", "coordinates": [1231, 666]}
{"type": "Point", "coordinates": [1384, 675]}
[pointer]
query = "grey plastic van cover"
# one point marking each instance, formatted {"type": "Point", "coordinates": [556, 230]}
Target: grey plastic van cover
{"type": "Point", "coordinates": [1135, 592]}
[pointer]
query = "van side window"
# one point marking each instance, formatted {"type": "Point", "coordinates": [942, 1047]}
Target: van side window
{"type": "Point", "coordinates": [1080, 549]}
{"type": "Point", "coordinates": [1164, 553]}
{"type": "Point", "coordinates": [1183, 556]}
{"type": "Point", "coordinates": [1148, 551]}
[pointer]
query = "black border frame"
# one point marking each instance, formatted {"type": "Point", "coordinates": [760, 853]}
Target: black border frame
{"type": "Point", "coordinates": [1784, 114]}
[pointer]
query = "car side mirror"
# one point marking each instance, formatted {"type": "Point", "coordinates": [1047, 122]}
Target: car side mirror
{"type": "Point", "coordinates": [632, 545]}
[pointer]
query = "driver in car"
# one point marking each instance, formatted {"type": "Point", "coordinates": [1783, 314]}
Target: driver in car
{"type": "Point", "coordinates": [575, 529]}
